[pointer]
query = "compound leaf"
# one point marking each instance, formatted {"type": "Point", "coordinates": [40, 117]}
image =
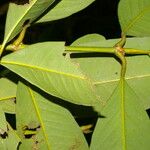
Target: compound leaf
{"type": "Point", "coordinates": [106, 75]}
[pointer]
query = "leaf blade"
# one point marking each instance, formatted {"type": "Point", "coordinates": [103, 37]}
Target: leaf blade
{"type": "Point", "coordinates": [65, 81]}
{"type": "Point", "coordinates": [134, 17]}
{"type": "Point", "coordinates": [106, 78]}
{"type": "Point", "coordinates": [7, 95]}
{"type": "Point", "coordinates": [15, 21]}
{"type": "Point", "coordinates": [49, 116]}
{"type": "Point", "coordinates": [64, 9]}
{"type": "Point", "coordinates": [122, 124]}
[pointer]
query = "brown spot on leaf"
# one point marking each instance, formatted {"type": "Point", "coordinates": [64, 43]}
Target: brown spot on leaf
{"type": "Point", "coordinates": [76, 145]}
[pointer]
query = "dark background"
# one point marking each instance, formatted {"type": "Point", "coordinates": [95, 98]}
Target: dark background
{"type": "Point", "coordinates": [100, 17]}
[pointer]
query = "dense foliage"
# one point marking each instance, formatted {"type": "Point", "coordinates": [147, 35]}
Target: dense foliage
{"type": "Point", "coordinates": [51, 89]}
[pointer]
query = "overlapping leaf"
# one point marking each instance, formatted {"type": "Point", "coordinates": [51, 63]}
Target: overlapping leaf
{"type": "Point", "coordinates": [54, 126]}
{"type": "Point", "coordinates": [65, 8]}
{"type": "Point", "coordinates": [7, 95]}
{"type": "Point", "coordinates": [13, 139]}
{"type": "Point", "coordinates": [19, 14]}
{"type": "Point", "coordinates": [44, 66]}
{"type": "Point", "coordinates": [125, 125]}
{"type": "Point", "coordinates": [8, 137]}
{"type": "Point", "coordinates": [134, 17]}
{"type": "Point", "coordinates": [107, 74]}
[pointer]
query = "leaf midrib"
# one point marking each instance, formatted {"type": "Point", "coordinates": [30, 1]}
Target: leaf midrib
{"type": "Point", "coordinates": [39, 116]}
{"type": "Point", "coordinates": [7, 37]}
{"type": "Point", "coordinates": [23, 16]}
{"type": "Point", "coordinates": [123, 113]}
{"type": "Point", "coordinates": [135, 19]}
{"type": "Point", "coordinates": [6, 98]}
{"type": "Point", "coordinates": [43, 69]}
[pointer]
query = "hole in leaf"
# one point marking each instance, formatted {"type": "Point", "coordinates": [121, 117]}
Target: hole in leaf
{"type": "Point", "coordinates": [148, 112]}
{"type": "Point", "coordinates": [30, 132]}
{"type": "Point", "coordinates": [11, 118]}
{"type": "Point", "coordinates": [3, 134]}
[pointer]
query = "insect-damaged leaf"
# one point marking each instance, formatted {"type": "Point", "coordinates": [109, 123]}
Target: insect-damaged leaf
{"type": "Point", "coordinates": [50, 126]}
{"type": "Point", "coordinates": [18, 14]}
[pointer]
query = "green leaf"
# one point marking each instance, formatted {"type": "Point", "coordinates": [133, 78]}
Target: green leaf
{"type": "Point", "coordinates": [55, 127]}
{"type": "Point", "coordinates": [89, 40]}
{"type": "Point", "coordinates": [45, 66]}
{"type": "Point", "coordinates": [7, 89]}
{"type": "Point", "coordinates": [125, 125]}
{"type": "Point", "coordinates": [65, 8]}
{"type": "Point", "coordinates": [134, 17]}
{"type": "Point", "coordinates": [8, 137]}
{"type": "Point", "coordinates": [7, 95]}
{"type": "Point", "coordinates": [3, 125]}
{"type": "Point", "coordinates": [13, 140]}
{"type": "Point", "coordinates": [27, 12]}
{"type": "Point", "coordinates": [107, 74]}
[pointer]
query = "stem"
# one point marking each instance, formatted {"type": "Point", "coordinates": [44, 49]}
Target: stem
{"type": "Point", "coordinates": [16, 45]}
{"type": "Point", "coordinates": [132, 51]}
{"type": "Point", "coordinates": [111, 50]}
{"type": "Point", "coordinates": [89, 49]}
{"type": "Point", "coordinates": [11, 47]}
{"type": "Point", "coordinates": [78, 49]}
{"type": "Point", "coordinates": [122, 42]}
{"type": "Point", "coordinates": [119, 52]}
{"type": "Point", "coordinates": [19, 40]}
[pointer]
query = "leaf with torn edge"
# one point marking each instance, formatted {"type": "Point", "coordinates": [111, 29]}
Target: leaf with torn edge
{"type": "Point", "coordinates": [50, 126]}
{"type": "Point", "coordinates": [26, 13]}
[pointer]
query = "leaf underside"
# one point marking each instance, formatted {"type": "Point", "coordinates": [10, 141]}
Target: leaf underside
{"type": "Point", "coordinates": [125, 125]}
{"type": "Point", "coordinates": [44, 66]}
{"type": "Point", "coordinates": [23, 13]}
{"type": "Point", "coordinates": [134, 17]}
{"type": "Point", "coordinates": [55, 126]}
{"type": "Point", "coordinates": [106, 75]}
